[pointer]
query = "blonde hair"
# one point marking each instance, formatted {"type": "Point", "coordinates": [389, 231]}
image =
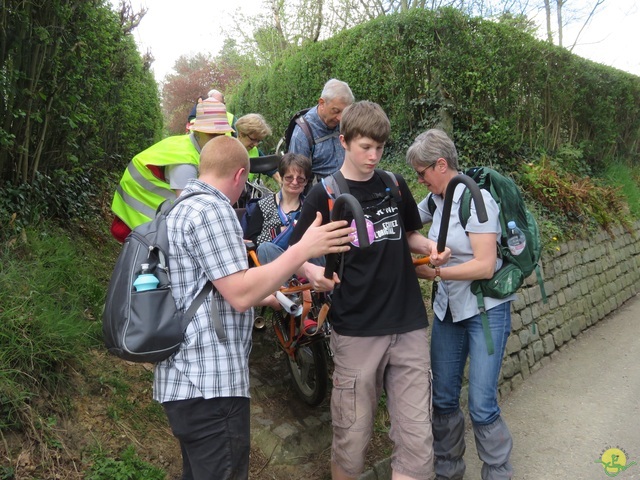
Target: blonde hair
{"type": "Point", "coordinates": [253, 125]}
{"type": "Point", "coordinates": [223, 156]}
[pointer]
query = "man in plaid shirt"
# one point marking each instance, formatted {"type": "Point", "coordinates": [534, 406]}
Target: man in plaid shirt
{"type": "Point", "coordinates": [204, 387]}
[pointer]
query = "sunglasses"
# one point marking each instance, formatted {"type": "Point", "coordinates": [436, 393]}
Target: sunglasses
{"type": "Point", "coordinates": [291, 178]}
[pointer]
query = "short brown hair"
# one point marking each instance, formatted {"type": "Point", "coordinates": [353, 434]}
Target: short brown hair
{"type": "Point", "coordinates": [295, 160]}
{"type": "Point", "coordinates": [365, 119]}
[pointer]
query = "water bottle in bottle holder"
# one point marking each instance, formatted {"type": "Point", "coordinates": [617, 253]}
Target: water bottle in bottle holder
{"type": "Point", "coordinates": [146, 280]}
{"type": "Point", "coordinates": [515, 239]}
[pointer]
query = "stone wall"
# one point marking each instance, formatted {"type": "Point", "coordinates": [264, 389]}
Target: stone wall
{"type": "Point", "coordinates": [584, 280]}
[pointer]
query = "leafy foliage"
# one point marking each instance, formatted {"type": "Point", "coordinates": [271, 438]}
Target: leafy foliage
{"type": "Point", "coordinates": [76, 96]}
{"type": "Point", "coordinates": [574, 200]}
{"type": "Point", "coordinates": [128, 467]}
{"type": "Point", "coordinates": [194, 77]}
{"type": "Point", "coordinates": [626, 177]}
{"type": "Point", "coordinates": [504, 94]}
{"type": "Point", "coordinates": [48, 303]}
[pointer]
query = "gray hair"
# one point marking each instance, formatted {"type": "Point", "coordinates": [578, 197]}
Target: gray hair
{"type": "Point", "coordinates": [216, 95]}
{"type": "Point", "coordinates": [431, 145]}
{"type": "Point", "coordinates": [337, 89]}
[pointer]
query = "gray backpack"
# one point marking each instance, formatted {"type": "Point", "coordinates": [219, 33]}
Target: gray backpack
{"type": "Point", "coordinates": [146, 326]}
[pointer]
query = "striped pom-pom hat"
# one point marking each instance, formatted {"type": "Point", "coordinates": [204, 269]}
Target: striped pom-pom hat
{"type": "Point", "coordinates": [211, 117]}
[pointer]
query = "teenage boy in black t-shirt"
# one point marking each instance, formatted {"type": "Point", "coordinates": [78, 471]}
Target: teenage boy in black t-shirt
{"type": "Point", "coordinates": [379, 338]}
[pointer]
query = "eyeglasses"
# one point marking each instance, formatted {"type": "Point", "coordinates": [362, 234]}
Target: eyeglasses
{"type": "Point", "coordinates": [255, 141]}
{"type": "Point", "coordinates": [421, 173]}
{"type": "Point", "coordinates": [291, 178]}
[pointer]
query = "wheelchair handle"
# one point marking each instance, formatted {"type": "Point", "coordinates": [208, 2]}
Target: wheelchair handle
{"type": "Point", "coordinates": [476, 195]}
{"type": "Point", "coordinates": [344, 201]}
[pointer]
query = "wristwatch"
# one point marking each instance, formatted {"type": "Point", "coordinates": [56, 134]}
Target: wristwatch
{"type": "Point", "coordinates": [437, 278]}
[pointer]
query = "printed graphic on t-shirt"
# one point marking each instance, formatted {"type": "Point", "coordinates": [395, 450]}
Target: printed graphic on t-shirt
{"type": "Point", "coordinates": [386, 222]}
{"type": "Point", "coordinates": [370, 232]}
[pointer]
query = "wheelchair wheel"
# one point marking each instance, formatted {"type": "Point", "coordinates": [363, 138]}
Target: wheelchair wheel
{"type": "Point", "coordinates": [308, 366]}
{"type": "Point", "coordinates": [309, 372]}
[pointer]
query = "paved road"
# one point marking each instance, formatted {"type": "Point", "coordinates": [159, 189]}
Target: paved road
{"type": "Point", "coordinates": [567, 415]}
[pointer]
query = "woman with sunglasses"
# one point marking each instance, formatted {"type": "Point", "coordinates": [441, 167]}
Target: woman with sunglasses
{"type": "Point", "coordinates": [252, 129]}
{"type": "Point", "coordinates": [272, 221]}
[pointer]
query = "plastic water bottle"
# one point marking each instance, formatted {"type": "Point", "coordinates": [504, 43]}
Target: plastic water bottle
{"type": "Point", "coordinates": [515, 239]}
{"type": "Point", "coordinates": [146, 280]}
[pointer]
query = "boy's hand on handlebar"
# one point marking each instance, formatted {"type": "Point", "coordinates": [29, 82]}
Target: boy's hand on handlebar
{"type": "Point", "coordinates": [315, 275]}
{"type": "Point", "coordinates": [333, 237]}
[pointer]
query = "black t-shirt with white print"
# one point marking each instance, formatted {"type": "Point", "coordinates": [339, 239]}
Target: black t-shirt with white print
{"type": "Point", "coordinates": [379, 293]}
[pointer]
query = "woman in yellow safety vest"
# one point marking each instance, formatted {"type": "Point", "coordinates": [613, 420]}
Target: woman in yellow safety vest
{"type": "Point", "coordinates": [161, 171]}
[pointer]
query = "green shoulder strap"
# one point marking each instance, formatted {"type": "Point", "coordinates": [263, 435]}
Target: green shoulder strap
{"type": "Point", "coordinates": [485, 323]}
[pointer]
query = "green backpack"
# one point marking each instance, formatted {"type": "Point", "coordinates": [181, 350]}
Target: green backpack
{"type": "Point", "coordinates": [515, 269]}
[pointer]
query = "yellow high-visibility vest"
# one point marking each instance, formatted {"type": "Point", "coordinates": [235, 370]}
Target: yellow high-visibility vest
{"type": "Point", "coordinates": [140, 192]}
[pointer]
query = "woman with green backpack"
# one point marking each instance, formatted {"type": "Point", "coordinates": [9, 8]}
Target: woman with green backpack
{"type": "Point", "coordinates": [457, 332]}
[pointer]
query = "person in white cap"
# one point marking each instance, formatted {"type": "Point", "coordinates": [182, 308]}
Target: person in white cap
{"type": "Point", "coordinates": [161, 171]}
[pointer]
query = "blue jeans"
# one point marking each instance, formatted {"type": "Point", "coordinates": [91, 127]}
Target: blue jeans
{"type": "Point", "coordinates": [451, 344]}
{"type": "Point", "coordinates": [269, 251]}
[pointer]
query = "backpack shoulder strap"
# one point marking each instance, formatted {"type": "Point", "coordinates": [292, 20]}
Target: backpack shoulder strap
{"type": "Point", "coordinates": [343, 187]}
{"type": "Point", "coordinates": [391, 182]}
{"type": "Point", "coordinates": [326, 137]}
{"type": "Point", "coordinates": [334, 185]}
{"type": "Point", "coordinates": [465, 201]}
{"type": "Point", "coordinates": [306, 129]}
{"type": "Point", "coordinates": [431, 204]}
{"type": "Point", "coordinates": [165, 208]}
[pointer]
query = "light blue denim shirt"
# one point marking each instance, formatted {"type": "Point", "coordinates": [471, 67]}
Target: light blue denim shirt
{"type": "Point", "coordinates": [457, 293]}
{"type": "Point", "coordinates": [328, 155]}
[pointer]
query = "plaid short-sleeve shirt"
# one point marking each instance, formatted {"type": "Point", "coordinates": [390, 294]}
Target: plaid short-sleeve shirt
{"type": "Point", "coordinates": [205, 241]}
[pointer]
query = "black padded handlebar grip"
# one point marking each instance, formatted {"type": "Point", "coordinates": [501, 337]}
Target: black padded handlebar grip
{"type": "Point", "coordinates": [344, 201]}
{"type": "Point", "coordinates": [476, 194]}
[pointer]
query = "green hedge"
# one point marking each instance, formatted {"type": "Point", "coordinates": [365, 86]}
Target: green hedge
{"type": "Point", "coordinates": [504, 94]}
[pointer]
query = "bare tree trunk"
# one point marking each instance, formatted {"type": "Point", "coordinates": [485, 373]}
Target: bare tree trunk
{"type": "Point", "coordinates": [276, 9]}
{"type": "Point", "coordinates": [318, 20]}
{"type": "Point", "coordinates": [547, 10]}
{"type": "Point", "coordinates": [559, 4]}
{"type": "Point", "coordinates": [129, 19]}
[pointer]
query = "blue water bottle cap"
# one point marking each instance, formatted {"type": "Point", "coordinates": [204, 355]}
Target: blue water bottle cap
{"type": "Point", "coordinates": [145, 281]}
{"type": "Point", "coordinates": [511, 224]}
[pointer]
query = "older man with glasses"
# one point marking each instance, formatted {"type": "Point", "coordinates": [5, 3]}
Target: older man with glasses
{"type": "Point", "coordinates": [324, 148]}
